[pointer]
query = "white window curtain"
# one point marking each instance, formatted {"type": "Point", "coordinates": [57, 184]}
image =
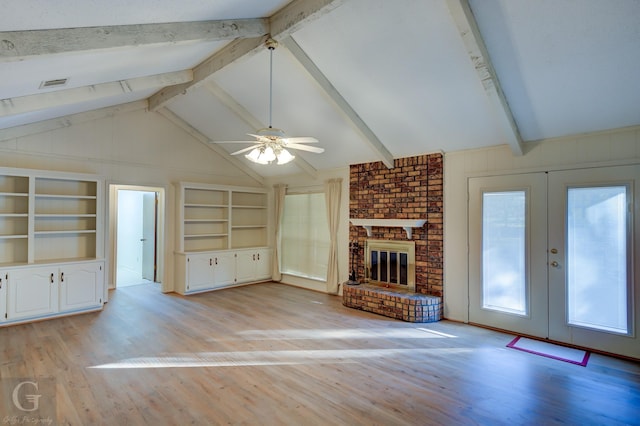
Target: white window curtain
{"type": "Point", "coordinates": [332, 193]}
{"type": "Point", "coordinates": [279, 192]}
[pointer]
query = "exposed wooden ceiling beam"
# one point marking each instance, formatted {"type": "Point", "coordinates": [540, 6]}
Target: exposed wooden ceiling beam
{"type": "Point", "coordinates": [252, 121]}
{"type": "Point", "coordinates": [17, 45]}
{"type": "Point", "coordinates": [473, 41]}
{"type": "Point", "coordinates": [383, 153]}
{"type": "Point", "coordinates": [169, 115]}
{"type": "Point", "coordinates": [69, 120]}
{"type": "Point", "coordinates": [24, 104]}
{"type": "Point", "coordinates": [297, 14]}
{"type": "Point", "coordinates": [227, 55]}
{"type": "Point", "coordinates": [282, 24]}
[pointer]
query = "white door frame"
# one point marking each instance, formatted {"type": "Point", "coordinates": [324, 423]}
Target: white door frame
{"type": "Point", "coordinates": [113, 234]}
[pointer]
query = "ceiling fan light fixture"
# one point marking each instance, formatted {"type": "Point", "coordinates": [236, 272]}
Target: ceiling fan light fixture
{"type": "Point", "coordinates": [267, 154]}
{"type": "Point", "coordinates": [285, 157]}
{"type": "Point", "coordinates": [256, 156]}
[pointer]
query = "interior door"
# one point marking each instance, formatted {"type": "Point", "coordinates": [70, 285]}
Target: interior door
{"type": "Point", "coordinates": [593, 251]}
{"type": "Point", "coordinates": [507, 253]}
{"type": "Point", "coordinates": [149, 236]}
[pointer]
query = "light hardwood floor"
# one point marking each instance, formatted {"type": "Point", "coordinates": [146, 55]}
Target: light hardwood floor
{"type": "Point", "coordinates": [272, 354]}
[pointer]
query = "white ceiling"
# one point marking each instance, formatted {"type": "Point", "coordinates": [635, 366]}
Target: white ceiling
{"type": "Point", "coordinates": [371, 79]}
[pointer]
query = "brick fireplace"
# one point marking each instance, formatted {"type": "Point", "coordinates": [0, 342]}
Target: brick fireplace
{"type": "Point", "coordinates": [412, 189]}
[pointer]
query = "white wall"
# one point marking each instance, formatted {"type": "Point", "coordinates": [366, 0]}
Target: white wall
{"type": "Point", "coordinates": [599, 149]}
{"type": "Point", "coordinates": [305, 183]}
{"type": "Point", "coordinates": [132, 148]}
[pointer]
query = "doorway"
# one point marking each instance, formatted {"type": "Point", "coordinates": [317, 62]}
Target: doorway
{"type": "Point", "coordinates": [136, 231]}
{"type": "Point", "coordinates": [554, 255]}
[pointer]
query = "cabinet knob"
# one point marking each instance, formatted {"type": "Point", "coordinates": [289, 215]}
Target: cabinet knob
{"type": "Point", "coordinates": [258, 256]}
{"type": "Point", "coordinates": [52, 278]}
{"type": "Point", "coordinates": [210, 262]}
{"type": "Point", "coordinates": [254, 257]}
{"type": "Point", "coordinates": [61, 277]}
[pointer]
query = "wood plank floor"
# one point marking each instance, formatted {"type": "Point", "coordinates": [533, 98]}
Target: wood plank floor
{"type": "Point", "coordinates": [272, 354]}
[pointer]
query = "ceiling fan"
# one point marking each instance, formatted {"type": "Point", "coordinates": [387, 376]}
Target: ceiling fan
{"type": "Point", "coordinates": [272, 143]}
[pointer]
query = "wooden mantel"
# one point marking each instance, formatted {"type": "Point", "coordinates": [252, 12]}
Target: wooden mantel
{"type": "Point", "coordinates": [406, 224]}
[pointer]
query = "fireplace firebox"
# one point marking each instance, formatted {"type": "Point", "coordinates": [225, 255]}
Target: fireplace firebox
{"type": "Point", "coordinates": [390, 263]}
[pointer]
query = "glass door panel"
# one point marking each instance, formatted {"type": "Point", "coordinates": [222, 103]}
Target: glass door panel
{"type": "Point", "coordinates": [504, 242]}
{"type": "Point", "coordinates": [597, 240]}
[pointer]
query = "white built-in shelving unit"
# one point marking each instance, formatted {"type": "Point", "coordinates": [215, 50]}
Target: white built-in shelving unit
{"type": "Point", "coordinates": [222, 236]}
{"type": "Point", "coordinates": [51, 244]}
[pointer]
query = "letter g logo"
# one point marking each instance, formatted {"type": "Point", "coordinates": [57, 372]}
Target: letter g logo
{"type": "Point", "coordinates": [32, 398]}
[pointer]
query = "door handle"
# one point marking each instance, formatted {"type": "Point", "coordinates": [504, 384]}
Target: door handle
{"type": "Point", "coordinates": [555, 264]}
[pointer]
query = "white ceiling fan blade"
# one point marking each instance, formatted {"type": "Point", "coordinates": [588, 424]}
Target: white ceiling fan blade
{"type": "Point", "coordinates": [302, 139]}
{"type": "Point", "coordinates": [232, 142]}
{"type": "Point", "coordinates": [305, 148]}
{"type": "Point", "coordinates": [258, 137]}
{"type": "Point", "coordinates": [246, 149]}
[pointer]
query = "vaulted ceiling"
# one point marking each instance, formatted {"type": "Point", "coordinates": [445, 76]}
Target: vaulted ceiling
{"type": "Point", "coordinates": [373, 80]}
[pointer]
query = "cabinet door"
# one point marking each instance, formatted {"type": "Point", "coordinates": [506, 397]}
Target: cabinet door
{"type": "Point", "coordinates": [263, 264]}
{"type": "Point", "coordinates": [246, 265]}
{"type": "Point", "coordinates": [224, 268]}
{"type": "Point", "coordinates": [3, 297]}
{"type": "Point", "coordinates": [199, 272]}
{"type": "Point", "coordinates": [81, 286]}
{"type": "Point", "coordinates": [32, 292]}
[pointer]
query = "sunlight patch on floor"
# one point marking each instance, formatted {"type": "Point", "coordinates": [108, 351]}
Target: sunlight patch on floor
{"type": "Point", "coordinates": [261, 358]}
{"type": "Point", "coordinates": [348, 333]}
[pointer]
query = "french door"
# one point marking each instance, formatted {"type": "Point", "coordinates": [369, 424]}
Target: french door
{"type": "Point", "coordinates": [555, 255]}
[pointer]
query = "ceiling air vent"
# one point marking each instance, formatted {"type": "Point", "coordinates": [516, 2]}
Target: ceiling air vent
{"type": "Point", "coordinates": [54, 83]}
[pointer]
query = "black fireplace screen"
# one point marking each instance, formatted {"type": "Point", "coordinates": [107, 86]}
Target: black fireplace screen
{"type": "Point", "coordinates": [389, 267]}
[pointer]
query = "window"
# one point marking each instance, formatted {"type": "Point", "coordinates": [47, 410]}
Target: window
{"type": "Point", "coordinates": [305, 236]}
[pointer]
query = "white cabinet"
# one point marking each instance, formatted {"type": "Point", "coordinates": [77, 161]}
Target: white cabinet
{"type": "Point", "coordinates": [225, 268]}
{"type": "Point", "coordinates": [32, 293]}
{"type": "Point", "coordinates": [81, 286]}
{"type": "Point", "coordinates": [42, 291]}
{"type": "Point", "coordinates": [253, 265]}
{"type": "Point", "coordinates": [198, 272]}
{"type": "Point", "coordinates": [3, 296]}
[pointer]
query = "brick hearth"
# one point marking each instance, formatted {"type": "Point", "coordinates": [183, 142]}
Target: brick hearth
{"type": "Point", "coordinates": [394, 303]}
